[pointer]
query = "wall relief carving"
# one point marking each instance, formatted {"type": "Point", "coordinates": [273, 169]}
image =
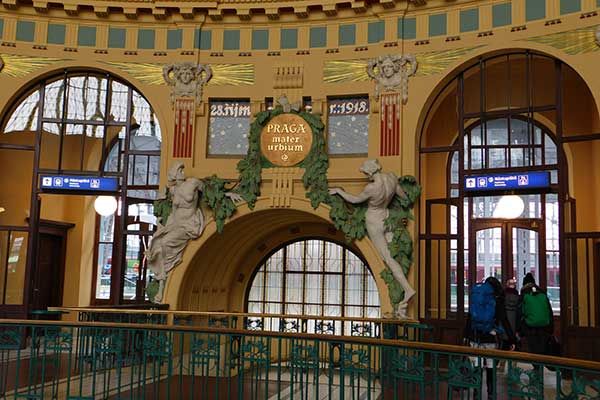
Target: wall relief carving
{"type": "Point", "coordinates": [187, 79]}
{"type": "Point", "coordinates": [391, 73]}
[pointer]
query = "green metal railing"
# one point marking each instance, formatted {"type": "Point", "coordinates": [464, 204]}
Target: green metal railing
{"type": "Point", "coordinates": [341, 326]}
{"type": "Point", "coordinates": [61, 360]}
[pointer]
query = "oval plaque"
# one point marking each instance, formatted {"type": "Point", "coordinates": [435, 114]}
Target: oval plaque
{"type": "Point", "coordinates": [286, 140]}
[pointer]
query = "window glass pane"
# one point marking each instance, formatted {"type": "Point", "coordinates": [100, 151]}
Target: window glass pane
{"type": "Point", "coordinates": [142, 212]}
{"type": "Point", "coordinates": [274, 286]}
{"type": "Point", "coordinates": [497, 158]}
{"type": "Point", "coordinates": [138, 170]}
{"type": "Point", "coordinates": [497, 132]}
{"type": "Point", "coordinates": [354, 281]}
{"type": "Point", "coordinates": [313, 288]}
{"type": "Point", "coordinates": [552, 251]}
{"type": "Point", "coordinates": [104, 270]}
{"type": "Point", "coordinates": [228, 127]}
{"type": "Point", "coordinates": [254, 307]}
{"type": "Point", "coordinates": [477, 158]}
{"type": "Point", "coordinates": [118, 102]}
{"type": "Point", "coordinates": [525, 255]}
{"type": "Point", "coordinates": [15, 268]}
{"type": "Point", "coordinates": [114, 160]}
{"type": "Point", "coordinates": [314, 255]}
{"type": "Point", "coordinates": [454, 169]}
{"type": "Point", "coordinates": [295, 256]}
{"type": "Point", "coordinates": [257, 289]}
{"type": "Point", "coordinates": [348, 125]}
{"type": "Point", "coordinates": [519, 132]}
{"type": "Point", "coordinates": [144, 124]}
{"type": "Point", "coordinates": [333, 257]}
{"type": "Point", "coordinates": [25, 116]}
{"type": "Point", "coordinates": [293, 288]}
{"type": "Point", "coordinates": [550, 151]}
{"type": "Point", "coordinates": [134, 254]}
{"type": "Point", "coordinates": [54, 93]}
{"type": "Point", "coordinates": [107, 228]}
{"type": "Point", "coordinates": [86, 98]}
{"type": "Point", "coordinates": [333, 289]}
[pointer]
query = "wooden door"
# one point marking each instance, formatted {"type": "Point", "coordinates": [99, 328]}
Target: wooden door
{"type": "Point", "coordinates": [47, 277]}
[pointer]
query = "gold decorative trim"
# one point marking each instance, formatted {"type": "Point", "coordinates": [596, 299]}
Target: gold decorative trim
{"type": "Point", "coordinates": [430, 63]}
{"type": "Point", "coordinates": [574, 42]}
{"type": "Point", "coordinates": [223, 74]}
{"type": "Point", "coordinates": [232, 74]}
{"type": "Point", "coordinates": [18, 66]}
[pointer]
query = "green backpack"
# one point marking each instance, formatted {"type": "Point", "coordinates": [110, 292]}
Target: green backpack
{"type": "Point", "coordinates": [536, 311]}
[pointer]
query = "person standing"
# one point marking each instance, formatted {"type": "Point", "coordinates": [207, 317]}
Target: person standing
{"type": "Point", "coordinates": [535, 322]}
{"type": "Point", "coordinates": [511, 302]}
{"type": "Point", "coordinates": [486, 324]}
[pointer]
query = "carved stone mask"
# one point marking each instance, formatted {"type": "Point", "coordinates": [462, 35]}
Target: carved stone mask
{"type": "Point", "coordinates": [387, 68]}
{"type": "Point", "coordinates": [186, 75]}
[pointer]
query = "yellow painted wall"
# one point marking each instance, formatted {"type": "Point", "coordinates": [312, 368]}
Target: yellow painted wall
{"type": "Point", "coordinates": [581, 110]}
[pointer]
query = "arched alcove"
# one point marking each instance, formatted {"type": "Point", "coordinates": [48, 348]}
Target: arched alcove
{"type": "Point", "coordinates": [217, 268]}
{"type": "Point", "coordinates": [539, 99]}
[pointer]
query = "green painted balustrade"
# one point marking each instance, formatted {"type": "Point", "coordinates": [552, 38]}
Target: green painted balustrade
{"type": "Point", "coordinates": [100, 360]}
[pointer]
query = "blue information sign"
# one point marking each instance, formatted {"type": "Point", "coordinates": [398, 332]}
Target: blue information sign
{"type": "Point", "coordinates": [83, 183]}
{"type": "Point", "coordinates": [499, 182]}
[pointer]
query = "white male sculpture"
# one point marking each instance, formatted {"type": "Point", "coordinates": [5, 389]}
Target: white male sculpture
{"type": "Point", "coordinates": [378, 194]}
{"type": "Point", "coordinates": [185, 223]}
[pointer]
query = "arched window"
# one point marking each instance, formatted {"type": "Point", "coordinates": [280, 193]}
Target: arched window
{"type": "Point", "coordinates": [501, 115]}
{"type": "Point", "coordinates": [94, 124]}
{"type": "Point", "coordinates": [314, 277]}
{"type": "Point", "coordinates": [509, 144]}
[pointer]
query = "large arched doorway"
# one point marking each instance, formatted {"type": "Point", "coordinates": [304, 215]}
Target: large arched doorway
{"type": "Point", "coordinates": [217, 270]}
{"type": "Point", "coordinates": [519, 114]}
{"type": "Point", "coordinates": [84, 126]}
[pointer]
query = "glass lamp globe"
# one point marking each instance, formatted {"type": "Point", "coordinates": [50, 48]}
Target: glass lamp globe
{"type": "Point", "coordinates": [105, 205]}
{"type": "Point", "coordinates": [509, 207]}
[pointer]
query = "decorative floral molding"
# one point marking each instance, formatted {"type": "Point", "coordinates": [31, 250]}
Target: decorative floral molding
{"type": "Point", "coordinates": [430, 63]}
{"type": "Point", "coordinates": [18, 66]}
{"type": "Point", "coordinates": [222, 74]}
{"type": "Point", "coordinates": [578, 41]}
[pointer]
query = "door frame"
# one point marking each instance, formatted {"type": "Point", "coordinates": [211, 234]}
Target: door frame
{"type": "Point", "coordinates": [54, 228]}
{"type": "Point", "coordinates": [506, 245]}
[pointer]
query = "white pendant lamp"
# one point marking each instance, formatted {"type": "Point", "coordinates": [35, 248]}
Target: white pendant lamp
{"type": "Point", "coordinates": [105, 205]}
{"type": "Point", "coordinates": [509, 207]}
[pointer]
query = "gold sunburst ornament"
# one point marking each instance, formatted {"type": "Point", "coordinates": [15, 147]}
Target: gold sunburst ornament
{"type": "Point", "coordinates": [18, 66]}
{"type": "Point", "coordinates": [223, 74]}
{"type": "Point", "coordinates": [430, 63]}
{"type": "Point", "coordinates": [577, 41]}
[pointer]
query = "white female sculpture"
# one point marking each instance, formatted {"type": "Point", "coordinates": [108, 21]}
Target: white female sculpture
{"type": "Point", "coordinates": [185, 223]}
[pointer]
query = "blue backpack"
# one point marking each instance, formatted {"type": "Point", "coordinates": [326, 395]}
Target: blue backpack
{"type": "Point", "coordinates": [483, 308]}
